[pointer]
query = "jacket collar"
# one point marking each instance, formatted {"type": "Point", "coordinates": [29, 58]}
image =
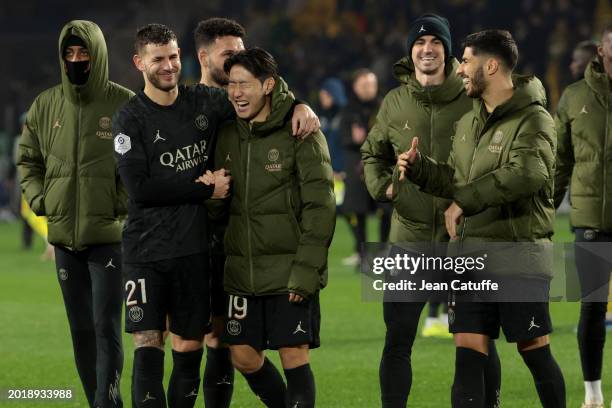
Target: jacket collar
{"type": "Point", "coordinates": [282, 102]}
{"type": "Point", "coordinates": [449, 90]}
{"type": "Point", "coordinates": [596, 78]}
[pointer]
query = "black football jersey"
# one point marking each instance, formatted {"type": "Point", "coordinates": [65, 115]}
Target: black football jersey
{"type": "Point", "coordinates": [160, 152]}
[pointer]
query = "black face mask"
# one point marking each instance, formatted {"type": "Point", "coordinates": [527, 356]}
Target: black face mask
{"type": "Point", "coordinates": [77, 72]}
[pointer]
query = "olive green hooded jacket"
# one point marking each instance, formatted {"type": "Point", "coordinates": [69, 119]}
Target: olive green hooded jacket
{"type": "Point", "coordinates": [65, 155]}
{"type": "Point", "coordinates": [500, 172]}
{"type": "Point", "coordinates": [282, 209]}
{"type": "Point", "coordinates": [410, 110]}
{"type": "Point", "coordinates": [584, 149]}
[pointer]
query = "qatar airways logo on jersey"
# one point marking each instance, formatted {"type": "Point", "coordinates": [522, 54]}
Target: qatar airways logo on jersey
{"type": "Point", "coordinates": [185, 158]}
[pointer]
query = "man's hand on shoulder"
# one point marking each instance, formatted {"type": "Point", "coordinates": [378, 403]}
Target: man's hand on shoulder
{"type": "Point", "coordinates": [304, 121]}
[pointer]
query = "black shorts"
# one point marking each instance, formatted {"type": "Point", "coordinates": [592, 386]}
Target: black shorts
{"type": "Point", "coordinates": [175, 288]}
{"type": "Point", "coordinates": [272, 322]}
{"type": "Point", "coordinates": [519, 321]}
{"type": "Point", "coordinates": [218, 297]}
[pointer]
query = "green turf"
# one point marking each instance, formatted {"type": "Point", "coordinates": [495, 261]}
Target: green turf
{"type": "Point", "coordinates": [35, 348]}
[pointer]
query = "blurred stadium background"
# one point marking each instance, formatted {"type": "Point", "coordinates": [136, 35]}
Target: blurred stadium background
{"type": "Point", "coordinates": [312, 40]}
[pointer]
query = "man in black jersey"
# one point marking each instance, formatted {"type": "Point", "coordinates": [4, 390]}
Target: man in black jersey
{"type": "Point", "coordinates": [163, 139]}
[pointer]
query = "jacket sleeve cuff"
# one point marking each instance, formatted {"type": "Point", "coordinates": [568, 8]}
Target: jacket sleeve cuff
{"type": "Point", "coordinates": [468, 198]}
{"type": "Point", "coordinates": [415, 172]}
{"type": "Point", "coordinates": [381, 194]}
{"type": "Point", "coordinates": [305, 279]}
{"type": "Point", "coordinates": [38, 206]}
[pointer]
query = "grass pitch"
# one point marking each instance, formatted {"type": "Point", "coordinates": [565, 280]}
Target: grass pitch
{"type": "Point", "coordinates": [36, 353]}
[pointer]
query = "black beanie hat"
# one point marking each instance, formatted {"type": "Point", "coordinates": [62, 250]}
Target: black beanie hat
{"type": "Point", "coordinates": [73, 40]}
{"type": "Point", "coordinates": [431, 24]}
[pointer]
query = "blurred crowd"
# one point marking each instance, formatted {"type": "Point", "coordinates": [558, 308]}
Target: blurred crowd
{"type": "Point", "coordinates": [327, 49]}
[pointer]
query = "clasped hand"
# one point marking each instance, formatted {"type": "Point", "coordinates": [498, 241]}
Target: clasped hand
{"type": "Point", "coordinates": [220, 179]}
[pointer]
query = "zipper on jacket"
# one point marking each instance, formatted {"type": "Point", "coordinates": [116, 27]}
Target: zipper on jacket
{"type": "Point", "coordinates": [246, 209]}
{"type": "Point", "coordinates": [431, 135]}
{"type": "Point", "coordinates": [470, 173]}
{"type": "Point", "coordinates": [515, 235]}
{"type": "Point", "coordinates": [76, 211]}
{"type": "Point", "coordinates": [605, 164]}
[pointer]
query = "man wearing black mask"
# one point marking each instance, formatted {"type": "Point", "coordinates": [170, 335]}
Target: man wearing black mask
{"type": "Point", "coordinates": [76, 60]}
{"type": "Point", "coordinates": [68, 174]}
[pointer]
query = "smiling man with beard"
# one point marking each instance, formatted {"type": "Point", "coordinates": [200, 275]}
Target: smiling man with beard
{"type": "Point", "coordinates": [500, 179]}
{"type": "Point", "coordinates": [163, 141]}
{"type": "Point", "coordinates": [427, 104]}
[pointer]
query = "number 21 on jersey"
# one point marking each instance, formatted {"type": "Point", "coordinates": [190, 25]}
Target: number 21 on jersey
{"type": "Point", "coordinates": [130, 286]}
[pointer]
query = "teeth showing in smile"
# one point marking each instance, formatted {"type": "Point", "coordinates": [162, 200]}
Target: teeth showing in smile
{"type": "Point", "coordinates": [242, 104]}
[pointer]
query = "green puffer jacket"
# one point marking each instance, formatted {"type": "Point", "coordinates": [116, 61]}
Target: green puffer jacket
{"type": "Point", "coordinates": [501, 172]}
{"type": "Point", "coordinates": [282, 211]}
{"type": "Point", "coordinates": [410, 110]}
{"type": "Point", "coordinates": [65, 155]}
{"type": "Point", "coordinates": [584, 149]}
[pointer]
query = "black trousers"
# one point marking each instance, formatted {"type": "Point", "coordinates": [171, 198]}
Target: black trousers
{"type": "Point", "coordinates": [395, 373]}
{"type": "Point", "coordinates": [593, 269]}
{"type": "Point", "coordinates": [92, 287]}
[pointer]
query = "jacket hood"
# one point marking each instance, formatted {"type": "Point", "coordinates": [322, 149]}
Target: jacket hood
{"type": "Point", "coordinates": [282, 101]}
{"type": "Point", "coordinates": [528, 90]}
{"type": "Point", "coordinates": [92, 36]}
{"type": "Point", "coordinates": [596, 77]}
{"type": "Point", "coordinates": [404, 71]}
{"type": "Point", "coordinates": [336, 89]}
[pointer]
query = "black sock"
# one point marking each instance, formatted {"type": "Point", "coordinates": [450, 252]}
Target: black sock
{"type": "Point", "coordinates": [147, 377]}
{"type": "Point", "coordinates": [300, 387]}
{"type": "Point", "coordinates": [547, 376]}
{"type": "Point", "coordinates": [591, 338]}
{"type": "Point", "coordinates": [218, 383]}
{"type": "Point", "coordinates": [468, 386]}
{"type": "Point", "coordinates": [395, 373]}
{"type": "Point", "coordinates": [492, 378]}
{"type": "Point", "coordinates": [267, 383]}
{"type": "Point", "coordinates": [185, 379]}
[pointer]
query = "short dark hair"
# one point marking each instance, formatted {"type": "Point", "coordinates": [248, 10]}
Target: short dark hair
{"type": "Point", "coordinates": [498, 43]}
{"type": "Point", "coordinates": [589, 46]}
{"type": "Point", "coordinates": [359, 73]}
{"type": "Point", "coordinates": [257, 61]}
{"type": "Point", "coordinates": [208, 30]}
{"type": "Point", "coordinates": [157, 34]}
